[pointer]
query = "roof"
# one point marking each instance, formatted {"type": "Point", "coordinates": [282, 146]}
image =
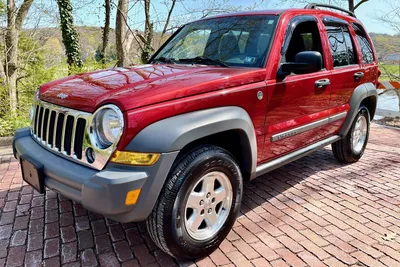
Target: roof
{"type": "Point", "coordinates": [286, 11]}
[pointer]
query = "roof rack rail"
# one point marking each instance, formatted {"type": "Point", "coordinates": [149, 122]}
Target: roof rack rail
{"type": "Point", "coordinates": [314, 6]}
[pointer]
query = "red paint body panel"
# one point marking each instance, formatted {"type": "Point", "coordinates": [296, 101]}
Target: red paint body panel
{"type": "Point", "coordinates": [150, 93]}
{"type": "Point", "coordinates": [242, 96]}
{"type": "Point", "coordinates": [144, 85]}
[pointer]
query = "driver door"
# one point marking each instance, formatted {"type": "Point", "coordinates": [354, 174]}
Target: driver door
{"type": "Point", "coordinates": [298, 103]}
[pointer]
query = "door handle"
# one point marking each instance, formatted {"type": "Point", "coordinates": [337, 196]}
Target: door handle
{"type": "Point", "coordinates": [322, 83]}
{"type": "Point", "coordinates": [358, 75]}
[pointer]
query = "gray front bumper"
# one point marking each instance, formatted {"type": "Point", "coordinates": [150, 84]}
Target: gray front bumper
{"type": "Point", "coordinates": [103, 191]}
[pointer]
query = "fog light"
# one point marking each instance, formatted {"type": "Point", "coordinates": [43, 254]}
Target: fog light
{"type": "Point", "coordinates": [132, 197]}
{"type": "Point", "coordinates": [90, 155]}
{"type": "Point", "coordinates": [135, 158]}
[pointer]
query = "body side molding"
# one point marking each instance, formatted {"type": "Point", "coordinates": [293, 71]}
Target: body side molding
{"type": "Point", "coordinates": [279, 162]}
{"type": "Point", "coordinates": [362, 92]}
{"type": "Point", "coordinates": [174, 133]}
{"type": "Point", "coordinates": [307, 127]}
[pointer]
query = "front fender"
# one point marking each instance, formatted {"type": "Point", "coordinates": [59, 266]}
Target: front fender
{"type": "Point", "coordinates": [174, 133]}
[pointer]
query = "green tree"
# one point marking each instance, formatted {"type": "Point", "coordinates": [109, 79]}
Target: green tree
{"type": "Point", "coordinates": [69, 34]}
{"type": "Point", "coordinates": [53, 50]}
{"type": "Point", "coordinates": [9, 70]}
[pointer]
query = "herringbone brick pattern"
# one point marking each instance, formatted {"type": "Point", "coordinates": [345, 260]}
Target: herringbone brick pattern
{"type": "Point", "coordinates": [313, 212]}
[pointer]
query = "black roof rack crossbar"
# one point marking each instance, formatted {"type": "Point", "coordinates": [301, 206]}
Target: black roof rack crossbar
{"type": "Point", "coordinates": [314, 6]}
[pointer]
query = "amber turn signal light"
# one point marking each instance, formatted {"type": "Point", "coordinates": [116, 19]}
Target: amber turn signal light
{"type": "Point", "coordinates": [132, 196]}
{"type": "Point", "coordinates": [135, 158]}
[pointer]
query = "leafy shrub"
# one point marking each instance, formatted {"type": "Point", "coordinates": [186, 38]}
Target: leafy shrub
{"type": "Point", "coordinates": [35, 72]}
{"type": "Point", "coordinates": [8, 125]}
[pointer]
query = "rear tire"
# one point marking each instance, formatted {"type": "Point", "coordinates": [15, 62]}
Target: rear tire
{"type": "Point", "coordinates": [198, 205]}
{"type": "Point", "coordinates": [351, 148]}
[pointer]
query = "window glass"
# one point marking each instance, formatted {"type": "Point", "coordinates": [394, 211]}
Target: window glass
{"type": "Point", "coordinates": [365, 46]}
{"type": "Point", "coordinates": [350, 46]}
{"type": "Point", "coordinates": [241, 37]}
{"type": "Point", "coordinates": [308, 41]}
{"type": "Point", "coordinates": [192, 45]}
{"type": "Point", "coordinates": [304, 38]}
{"type": "Point", "coordinates": [241, 41]}
{"type": "Point", "coordinates": [337, 46]}
{"type": "Point", "coordinates": [262, 40]}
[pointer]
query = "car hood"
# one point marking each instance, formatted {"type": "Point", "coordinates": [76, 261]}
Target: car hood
{"type": "Point", "coordinates": [139, 86]}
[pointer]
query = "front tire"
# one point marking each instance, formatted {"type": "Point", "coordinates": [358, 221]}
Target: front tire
{"type": "Point", "coordinates": [198, 204]}
{"type": "Point", "coordinates": [351, 148]}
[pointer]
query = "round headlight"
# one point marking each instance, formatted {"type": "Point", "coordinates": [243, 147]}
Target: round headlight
{"type": "Point", "coordinates": [108, 126]}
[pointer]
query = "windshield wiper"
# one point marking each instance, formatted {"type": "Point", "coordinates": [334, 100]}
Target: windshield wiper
{"type": "Point", "coordinates": [204, 60]}
{"type": "Point", "coordinates": [166, 60]}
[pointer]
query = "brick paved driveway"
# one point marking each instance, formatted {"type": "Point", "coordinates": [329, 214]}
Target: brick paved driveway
{"type": "Point", "coordinates": [312, 212]}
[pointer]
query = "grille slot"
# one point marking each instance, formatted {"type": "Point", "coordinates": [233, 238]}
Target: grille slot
{"type": "Point", "coordinates": [68, 134]}
{"type": "Point", "coordinates": [39, 125]}
{"type": "Point", "coordinates": [60, 123]}
{"type": "Point", "coordinates": [79, 136]}
{"type": "Point", "coordinates": [45, 123]}
{"type": "Point", "coordinates": [60, 129]}
{"type": "Point", "coordinates": [51, 128]}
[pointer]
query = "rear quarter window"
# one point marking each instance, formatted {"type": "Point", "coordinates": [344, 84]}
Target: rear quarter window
{"type": "Point", "coordinates": [365, 45]}
{"type": "Point", "coordinates": [337, 44]}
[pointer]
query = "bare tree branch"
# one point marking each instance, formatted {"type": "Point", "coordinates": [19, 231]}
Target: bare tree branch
{"type": "Point", "coordinates": [23, 10]}
{"type": "Point", "coordinates": [359, 4]}
{"type": "Point", "coordinates": [168, 19]}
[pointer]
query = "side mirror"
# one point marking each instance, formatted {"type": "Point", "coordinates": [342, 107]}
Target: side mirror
{"type": "Point", "coordinates": [305, 62]}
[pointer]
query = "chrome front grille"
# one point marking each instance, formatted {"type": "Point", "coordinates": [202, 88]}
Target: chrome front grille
{"type": "Point", "coordinates": [60, 129]}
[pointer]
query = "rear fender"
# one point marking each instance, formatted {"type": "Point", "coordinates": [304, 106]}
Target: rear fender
{"type": "Point", "coordinates": [361, 93]}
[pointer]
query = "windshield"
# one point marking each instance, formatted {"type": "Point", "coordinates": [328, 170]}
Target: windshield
{"type": "Point", "coordinates": [240, 41]}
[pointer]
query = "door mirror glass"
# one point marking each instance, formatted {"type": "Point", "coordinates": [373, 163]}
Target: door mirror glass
{"type": "Point", "coordinates": [305, 62]}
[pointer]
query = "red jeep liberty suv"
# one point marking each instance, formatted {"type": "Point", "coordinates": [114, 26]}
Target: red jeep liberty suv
{"type": "Point", "coordinates": [224, 100]}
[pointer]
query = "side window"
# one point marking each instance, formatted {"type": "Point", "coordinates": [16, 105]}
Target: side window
{"type": "Point", "coordinates": [350, 46]}
{"type": "Point", "coordinates": [341, 45]}
{"type": "Point", "coordinates": [365, 46]}
{"type": "Point", "coordinates": [305, 37]}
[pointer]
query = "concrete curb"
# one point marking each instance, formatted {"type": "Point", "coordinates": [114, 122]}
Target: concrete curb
{"type": "Point", "coordinates": [6, 141]}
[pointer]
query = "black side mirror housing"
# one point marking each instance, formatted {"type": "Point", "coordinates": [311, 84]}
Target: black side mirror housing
{"type": "Point", "coordinates": [305, 62]}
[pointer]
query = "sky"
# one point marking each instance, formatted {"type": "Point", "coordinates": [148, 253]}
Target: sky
{"type": "Point", "coordinates": [91, 13]}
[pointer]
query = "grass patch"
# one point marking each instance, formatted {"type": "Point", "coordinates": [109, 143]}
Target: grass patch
{"type": "Point", "coordinates": [389, 72]}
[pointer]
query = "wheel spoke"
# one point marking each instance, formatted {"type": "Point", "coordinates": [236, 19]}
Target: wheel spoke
{"type": "Point", "coordinates": [359, 134]}
{"type": "Point", "coordinates": [195, 221]}
{"type": "Point", "coordinates": [364, 131]}
{"type": "Point", "coordinates": [219, 195]}
{"type": "Point", "coordinates": [194, 200]}
{"type": "Point", "coordinates": [358, 124]}
{"type": "Point", "coordinates": [208, 184]}
{"type": "Point", "coordinates": [212, 218]}
{"type": "Point", "coordinates": [201, 218]}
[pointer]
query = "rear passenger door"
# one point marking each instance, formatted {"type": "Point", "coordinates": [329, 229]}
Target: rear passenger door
{"type": "Point", "coordinates": [347, 72]}
{"type": "Point", "coordinates": [369, 62]}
